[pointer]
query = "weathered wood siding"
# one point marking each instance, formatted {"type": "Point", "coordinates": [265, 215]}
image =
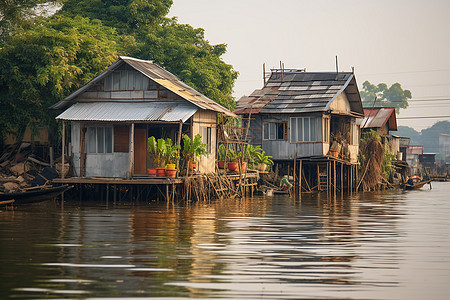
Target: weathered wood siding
{"type": "Point", "coordinates": [200, 121]}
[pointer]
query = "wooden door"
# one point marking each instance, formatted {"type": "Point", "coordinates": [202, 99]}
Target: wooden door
{"type": "Point", "coordinates": [140, 151]}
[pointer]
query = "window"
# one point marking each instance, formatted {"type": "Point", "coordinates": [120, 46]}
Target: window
{"type": "Point", "coordinates": [306, 129]}
{"type": "Point", "coordinates": [206, 138]}
{"type": "Point", "coordinates": [99, 140]}
{"type": "Point", "coordinates": [274, 131]}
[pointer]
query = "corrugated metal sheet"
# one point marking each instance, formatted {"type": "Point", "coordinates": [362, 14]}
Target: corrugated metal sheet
{"type": "Point", "coordinates": [298, 92]}
{"type": "Point", "coordinates": [378, 117]}
{"type": "Point", "coordinates": [159, 75]}
{"type": "Point", "coordinates": [128, 112]}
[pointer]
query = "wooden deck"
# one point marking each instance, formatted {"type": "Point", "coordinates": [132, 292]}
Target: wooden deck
{"type": "Point", "coordinates": [119, 181]}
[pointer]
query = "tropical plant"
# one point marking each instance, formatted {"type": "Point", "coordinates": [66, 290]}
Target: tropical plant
{"type": "Point", "coordinates": [193, 148]}
{"type": "Point", "coordinates": [263, 159]}
{"type": "Point", "coordinates": [163, 151]}
{"type": "Point", "coordinates": [232, 156]}
{"type": "Point", "coordinates": [250, 153]}
{"type": "Point", "coordinates": [222, 152]}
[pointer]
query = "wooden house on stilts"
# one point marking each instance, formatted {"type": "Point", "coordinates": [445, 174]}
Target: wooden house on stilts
{"type": "Point", "coordinates": [307, 122]}
{"type": "Point", "coordinates": [112, 116]}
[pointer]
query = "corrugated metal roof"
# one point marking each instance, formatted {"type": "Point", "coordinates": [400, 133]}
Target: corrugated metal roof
{"type": "Point", "coordinates": [159, 75]}
{"type": "Point", "coordinates": [128, 112]}
{"type": "Point", "coordinates": [298, 92]}
{"type": "Point", "coordinates": [378, 117]}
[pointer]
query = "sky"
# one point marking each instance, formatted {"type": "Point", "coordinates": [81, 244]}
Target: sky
{"type": "Point", "coordinates": [405, 41]}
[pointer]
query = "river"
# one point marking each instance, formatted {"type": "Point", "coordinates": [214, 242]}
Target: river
{"type": "Point", "coordinates": [386, 245]}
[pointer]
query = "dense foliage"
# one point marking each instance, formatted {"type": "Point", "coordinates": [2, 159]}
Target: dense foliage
{"type": "Point", "coordinates": [393, 96]}
{"type": "Point", "coordinates": [50, 57]}
{"type": "Point", "coordinates": [43, 64]}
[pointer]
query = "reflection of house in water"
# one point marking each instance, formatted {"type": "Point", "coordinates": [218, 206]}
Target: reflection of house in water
{"type": "Point", "coordinates": [309, 116]}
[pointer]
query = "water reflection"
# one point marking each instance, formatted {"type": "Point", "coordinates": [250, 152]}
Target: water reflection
{"type": "Point", "coordinates": [369, 245]}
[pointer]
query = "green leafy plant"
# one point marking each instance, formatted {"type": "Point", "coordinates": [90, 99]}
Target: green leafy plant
{"type": "Point", "coordinates": [193, 148]}
{"type": "Point", "coordinates": [232, 156]}
{"type": "Point", "coordinates": [222, 152]}
{"type": "Point", "coordinates": [163, 151]}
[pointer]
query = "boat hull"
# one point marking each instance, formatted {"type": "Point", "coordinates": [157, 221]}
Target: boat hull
{"type": "Point", "coordinates": [33, 196]}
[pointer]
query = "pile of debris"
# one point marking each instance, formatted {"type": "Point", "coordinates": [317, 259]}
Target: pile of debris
{"type": "Point", "coordinates": [19, 168]}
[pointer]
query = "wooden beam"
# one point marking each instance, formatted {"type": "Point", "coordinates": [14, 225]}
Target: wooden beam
{"type": "Point", "coordinates": [63, 146]}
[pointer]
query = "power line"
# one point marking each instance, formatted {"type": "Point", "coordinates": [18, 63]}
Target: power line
{"type": "Point", "coordinates": [424, 117]}
{"type": "Point", "coordinates": [406, 72]}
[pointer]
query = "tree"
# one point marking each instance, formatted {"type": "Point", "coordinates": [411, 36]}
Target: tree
{"type": "Point", "coordinates": [183, 50]}
{"type": "Point", "coordinates": [180, 48]}
{"type": "Point", "coordinates": [394, 96]}
{"type": "Point", "coordinates": [43, 64]}
{"type": "Point", "coordinates": [16, 14]}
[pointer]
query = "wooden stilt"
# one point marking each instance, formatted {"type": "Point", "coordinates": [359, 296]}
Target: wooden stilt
{"type": "Point", "coordinates": [295, 181]}
{"type": "Point", "coordinates": [342, 178]}
{"type": "Point", "coordinates": [300, 179]}
{"type": "Point", "coordinates": [334, 178]}
{"type": "Point", "coordinates": [107, 193]}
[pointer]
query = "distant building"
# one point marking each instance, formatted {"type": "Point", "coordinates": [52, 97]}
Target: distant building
{"type": "Point", "coordinates": [444, 147]}
{"type": "Point", "coordinates": [383, 120]}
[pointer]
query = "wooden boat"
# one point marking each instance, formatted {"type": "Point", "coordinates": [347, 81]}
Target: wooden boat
{"type": "Point", "coordinates": [416, 182]}
{"type": "Point", "coordinates": [33, 195]}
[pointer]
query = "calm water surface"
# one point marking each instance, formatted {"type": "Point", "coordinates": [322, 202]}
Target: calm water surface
{"type": "Point", "coordinates": [393, 245]}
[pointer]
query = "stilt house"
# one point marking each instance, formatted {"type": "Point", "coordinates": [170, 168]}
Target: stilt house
{"type": "Point", "coordinates": [383, 120]}
{"type": "Point", "coordinates": [112, 116]}
{"type": "Point", "coordinates": [304, 115]}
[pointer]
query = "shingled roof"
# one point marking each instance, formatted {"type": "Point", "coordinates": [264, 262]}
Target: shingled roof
{"type": "Point", "coordinates": [298, 92]}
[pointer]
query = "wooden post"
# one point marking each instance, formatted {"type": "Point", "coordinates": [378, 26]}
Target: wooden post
{"type": "Point", "coordinates": [334, 178]}
{"type": "Point", "coordinates": [351, 179]}
{"type": "Point", "coordinates": [295, 181]}
{"type": "Point", "coordinates": [132, 151]}
{"type": "Point", "coordinates": [300, 179]}
{"type": "Point", "coordinates": [342, 178]}
{"type": "Point", "coordinates": [107, 193]}
{"type": "Point", "coordinates": [51, 157]}
{"type": "Point", "coordinates": [63, 146]}
{"type": "Point", "coordinates": [180, 129]}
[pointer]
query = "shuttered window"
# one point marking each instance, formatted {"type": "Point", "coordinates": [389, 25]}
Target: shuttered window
{"type": "Point", "coordinates": [121, 138]}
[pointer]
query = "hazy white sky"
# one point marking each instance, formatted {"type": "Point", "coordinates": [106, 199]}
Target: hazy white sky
{"type": "Point", "coordinates": [405, 41]}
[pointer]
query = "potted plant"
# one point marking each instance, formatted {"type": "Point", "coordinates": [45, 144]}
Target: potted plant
{"type": "Point", "coordinates": [222, 153]}
{"type": "Point", "coordinates": [263, 161]}
{"type": "Point", "coordinates": [192, 148]}
{"type": "Point", "coordinates": [250, 154]}
{"type": "Point", "coordinates": [233, 158]}
{"type": "Point", "coordinates": [171, 156]}
{"type": "Point", "coordinates": [165, 155]}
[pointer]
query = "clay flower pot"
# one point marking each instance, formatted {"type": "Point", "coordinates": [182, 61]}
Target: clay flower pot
{"type": "Point", "coordinates": [233, 166]}
{"type": "Point", "coordinates": [171, 173]}
{"type": "Point", "coordinates": [152, 172]}
{"type": "Point", "coordinates": [221, 164]}
{"type": "Point", "coordinates": [160, 172]}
